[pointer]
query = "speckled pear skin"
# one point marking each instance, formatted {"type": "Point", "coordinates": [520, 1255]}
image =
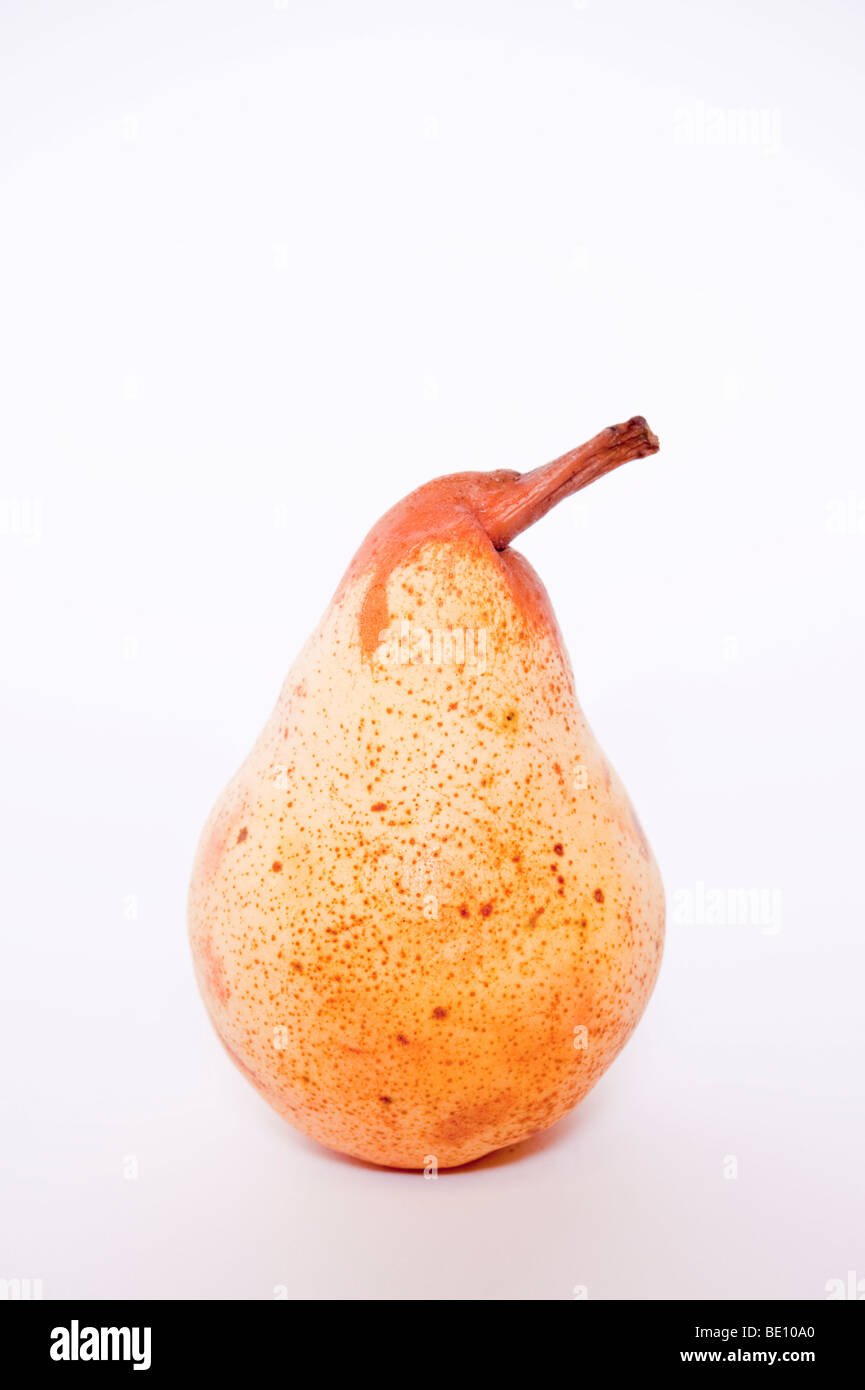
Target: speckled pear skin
{"type": "Point", "coordinates": [423, 914]}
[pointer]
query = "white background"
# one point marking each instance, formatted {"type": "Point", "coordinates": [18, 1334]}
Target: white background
{"type": "Point", "coordinates": [263, 270]}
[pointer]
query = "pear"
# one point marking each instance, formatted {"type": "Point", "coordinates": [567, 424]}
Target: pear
{"type": "Point", "coordinates": [424, 916]}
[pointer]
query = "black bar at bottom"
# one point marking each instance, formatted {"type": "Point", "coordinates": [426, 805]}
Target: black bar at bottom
{"type": "Point", "coordinates": [66, 1337]}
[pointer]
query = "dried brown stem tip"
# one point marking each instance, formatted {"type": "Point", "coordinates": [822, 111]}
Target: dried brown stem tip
{"type": "Point", "coordinates": [529, 496]}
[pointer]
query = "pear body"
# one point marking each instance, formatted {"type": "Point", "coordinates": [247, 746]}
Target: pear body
{"type": "Point", "coordinates": [423, 914]}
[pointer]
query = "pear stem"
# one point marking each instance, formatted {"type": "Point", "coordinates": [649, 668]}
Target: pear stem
{"type": "Point", "coordinates": [527, 497]}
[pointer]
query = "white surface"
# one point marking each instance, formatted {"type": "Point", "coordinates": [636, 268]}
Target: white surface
{"type": "Point", "coordinates": [264, 269]}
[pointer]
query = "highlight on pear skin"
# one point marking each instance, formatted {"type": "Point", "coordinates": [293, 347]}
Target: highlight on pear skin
{"type": "Point", "coordinates": [424, 916]}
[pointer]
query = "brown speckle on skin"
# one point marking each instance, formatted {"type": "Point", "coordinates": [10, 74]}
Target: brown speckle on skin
{"type": "Point", "coordinates": [241, 835]}
{"type": "Point", "coordinates": [486, 909]}
{"type": "Point", "coordinates": [401, 1038]}
{"type": "Point", "coordinates": [439, 1012]}
{"type": "Point", "coordinates": [466, 1121]}
{"type": "Point", "coordinates": [379, 806]}
{"type": "Point", "coordinates": [599, 895]}
{"type": "Point", "coordinates": [385, 1100]}
{"type": "Point", "coordinates": [558, 849]}
{"type": "Point", "coordinates": [276, 866]}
